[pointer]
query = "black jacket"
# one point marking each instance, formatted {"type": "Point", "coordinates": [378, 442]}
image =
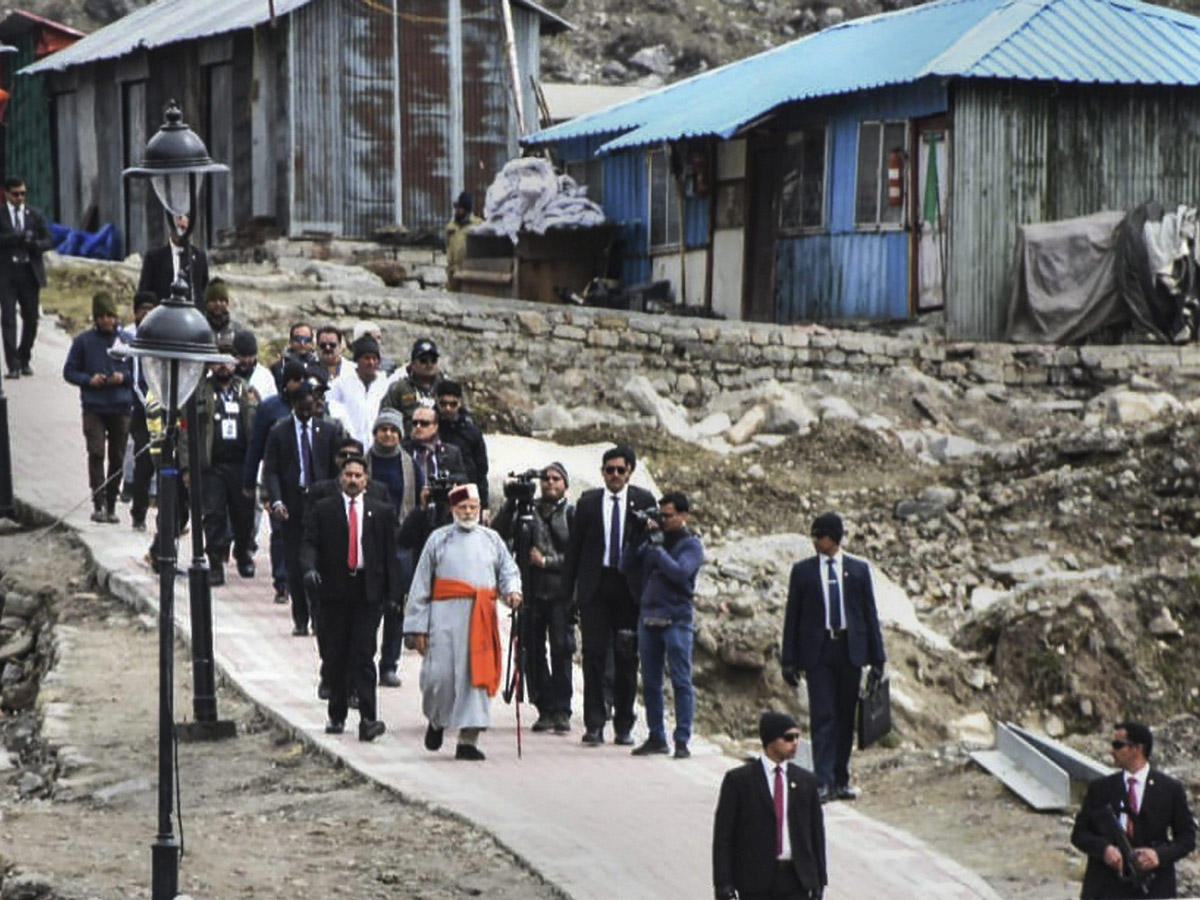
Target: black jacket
{"type": "Point", "coordinates": [743, 850]}
{"type": "Point", "coordinates": [28, 245]}
{"type": "Point", "coordinates": [158, 273]}
{"type": "Point", "coordinates": [326, 545]}
{"type": "Point", "coordinates": [463, 433]}
{"type": "Point", "coordinates": [551, 536]}
{"type": "Point", "coordinates": [1164, 822]}
{"type": "Point", "coordinates": [585, 555]}
{"type": "Point", "coordinates": [281, 462]}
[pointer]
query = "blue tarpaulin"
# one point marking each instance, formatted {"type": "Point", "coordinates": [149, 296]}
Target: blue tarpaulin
{"type": "Point", "coordinates": [103, 244]}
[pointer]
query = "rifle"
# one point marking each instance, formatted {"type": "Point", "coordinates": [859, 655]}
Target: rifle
{"type": "Point", "coordinates": [1138, 879]}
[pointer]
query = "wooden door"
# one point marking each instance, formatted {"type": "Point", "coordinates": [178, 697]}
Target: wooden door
{"type": "Point", "coordinates": [762, 226]}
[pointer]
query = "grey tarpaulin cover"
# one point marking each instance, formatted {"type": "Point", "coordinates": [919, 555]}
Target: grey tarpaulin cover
{"type": "Point", "coordinates": [1066, 285]}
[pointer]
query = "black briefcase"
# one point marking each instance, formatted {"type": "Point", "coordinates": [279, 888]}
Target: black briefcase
{"type": "Point", "coordinates": [874, 711]}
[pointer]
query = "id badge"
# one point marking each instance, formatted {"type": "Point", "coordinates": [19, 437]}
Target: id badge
{"type": "Point", "coordinates": [229, 431]}
{"type": "Point", "coordinates": [231, 407]}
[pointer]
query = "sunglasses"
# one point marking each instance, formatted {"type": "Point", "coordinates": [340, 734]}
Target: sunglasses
{"type": "Point", "coordinates": [427, 359]}
{"type": "Point", "coordinates": [328, 346]}
{"type": "Point", "coordinates": [791, 737]}
{"type": "Point", "coordinates": [16, 193]}
{"type": "Point", "coordinates": [615, 470]}
{"type": "Point", "coordinates": [421, 423]}
{"type": "Point", "coordinates": [1121, 745]}
{"type": "Point", "coordinates": [302, 338]}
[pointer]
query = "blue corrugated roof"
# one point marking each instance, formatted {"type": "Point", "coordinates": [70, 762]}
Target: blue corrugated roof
{"type": "Point", "coordinates": [171, 21]}
{"type": "Point", "coordinates": [1102, 41]}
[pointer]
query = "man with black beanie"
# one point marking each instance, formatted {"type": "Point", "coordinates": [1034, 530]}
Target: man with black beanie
{"type": "Point", "coordinates": [830, 631]}
{"type": "Point", "coordinates": [776, 851]}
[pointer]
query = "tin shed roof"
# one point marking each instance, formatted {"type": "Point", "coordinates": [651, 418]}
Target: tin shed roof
{"type": "Point", "coordinates": [1100, 41]}
{"type": "Point", "coordinates": [172, 21]}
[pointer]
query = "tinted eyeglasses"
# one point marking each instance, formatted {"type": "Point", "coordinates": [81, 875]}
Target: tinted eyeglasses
{"type": "Point", "coordinates": [326, 345]}
{"type": "Point", "coordinates": [615, 470]}
{"type": "Point", "coordinates": [302, 338]}
{"type": "Point", "coordinates": [421, 423]}
{"type": "Point", "coordinates": [791, 737]}
{"type": "Point", "coordinates": [1121, 745]}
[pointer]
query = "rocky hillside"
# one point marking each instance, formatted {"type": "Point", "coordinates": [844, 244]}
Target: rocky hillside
{"type": "Point", "coordinates": [624, 41]}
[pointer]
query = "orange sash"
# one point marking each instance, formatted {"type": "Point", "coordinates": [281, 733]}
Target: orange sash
{"type": "Point", "coordinates": [484, 637]}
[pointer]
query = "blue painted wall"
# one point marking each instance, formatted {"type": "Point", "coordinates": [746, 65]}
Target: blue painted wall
{"type": "Point", "coordinates": [839, 274]}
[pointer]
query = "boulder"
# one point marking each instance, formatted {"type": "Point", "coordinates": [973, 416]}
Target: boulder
{"type": "Point", "coordinates": [1125, 407]}
{"type": "Point", "coordinates": [830, 408]}
{"type": "Point", "coordinates": [1025, 568]}
{"type": "Point", "coordinates": [671, 417]}
{"type": "Point", "coordinates": [712, 425]}
{"type": "Point", "coordinates": [17, 646]}
{"type": "Point", "coordinates": [947, 447]}
{"type": "Point", "coordinates": [655, 60]}
{"type": "Point", "coordinates": [745, 427]}
{"type": "Point", "coordinates": [790, 414]}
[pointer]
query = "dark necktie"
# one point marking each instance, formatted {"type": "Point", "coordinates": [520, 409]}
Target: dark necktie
{"type": "Point", "coordinates": [20, 220]}
{"type": "Point", "coordinates": [352, 555]}
{"type": "Point", "coordinates": [778, 811]}
{"type": "Point", "coordinates": [1133, 806]}
{"type": "Point", "coordinates": [614, 534]}
{"type": "Point", "coordinates": [306, 457]}
{"type": "Point", "coordinates": [835, 600]}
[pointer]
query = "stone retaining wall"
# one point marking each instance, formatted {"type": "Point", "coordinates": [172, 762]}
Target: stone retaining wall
{"type": "Point", "coordinates": [588, 354]}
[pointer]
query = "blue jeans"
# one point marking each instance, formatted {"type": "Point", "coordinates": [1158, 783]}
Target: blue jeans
{"type": "Point", "coordinates": [669, 648]}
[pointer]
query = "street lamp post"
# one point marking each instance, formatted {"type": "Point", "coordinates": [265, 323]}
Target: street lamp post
{"type": "Point", "coordinates": [174, 343]}
{"type": "Point", "coordinates": [176, 162]}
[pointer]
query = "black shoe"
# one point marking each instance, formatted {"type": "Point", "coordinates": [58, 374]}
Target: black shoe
{"type": "Point", "coordinates": [216, 576]}
{"type": "Point", "coordinates": [648, 747]}
{"type": "Point", "coordinates": [323, 691]}
{"type": "Point", "coordinates": [332, 727]}
{"type": "Point", "coordinates": [245, 567]}
{"type": "Point", "coordinates": [281, 597]}
{"type": "Point", "coordinates": [562, 723]}
{"type": "Point", "coordinates": [544, 723]}
{"type": "Point", "coordinates": [368, 730]}
{"type": "Point", "coordinates": [825, 793]}
{"type": "Point", "coordinates": [623, 739]}
{"type": "Point", "coordinates": [98, 516]}
{"type": "Point", "coordinates": [139, 524]}
{"type": "Point", "coordinates": [300, 631]}
{"type": "Point", "coordinates": [111, 517]}
{"type": "Point", "coordinates": [389, 678]}
{"type": "Point", "coordinates": [12, 374]}
{"type": "Point", "coordinates": [682, 751]}
{"type": "Point", "coordinates": [845, 792]}
{"type": "Point", "coordinates": [593, 737]}
{"type": "Point", "coordinates": [433, 738]}
{"type": "Point", "coordinates": [469, 752]}
{"type": "Point", "coordinates": [27, 370]}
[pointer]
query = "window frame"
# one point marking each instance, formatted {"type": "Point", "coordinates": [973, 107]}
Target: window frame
{"type": "Point", "coordinates": [583, 166]}
{"type": "Point", "coordinates": [672, 200]}
{"type": "Point", "coordinates": [880, 173]}
{"type": "Point", "coordinates": [798, 138]}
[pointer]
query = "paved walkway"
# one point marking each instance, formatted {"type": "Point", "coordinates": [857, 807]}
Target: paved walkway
{"type": "Point", "coordinates": [595, 822]}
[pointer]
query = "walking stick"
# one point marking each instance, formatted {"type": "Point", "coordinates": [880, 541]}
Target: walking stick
{"type": "Point", "coordinates": [512, 682]}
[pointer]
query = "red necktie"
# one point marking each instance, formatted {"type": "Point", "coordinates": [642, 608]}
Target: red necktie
{"type": "Point", "coordinates": [1133, 806]}
{"type": "Point", "coordinates": [352, 558]}
{"type": "Point", "coordinates": [778, 811]}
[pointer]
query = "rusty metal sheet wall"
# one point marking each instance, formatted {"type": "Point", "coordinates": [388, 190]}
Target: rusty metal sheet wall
{"type": "Point", "coordinates": [368, 92]}
{"type": "Point", "coordinates": [488, 115]}
{"type": "Point", "coordinates": [1025, 152]}
{"type": "Point", "coordinates": [425, 113]}
{"type": "Point", "coordinates": [315, 71]}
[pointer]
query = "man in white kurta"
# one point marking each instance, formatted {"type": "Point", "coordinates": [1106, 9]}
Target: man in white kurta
{"type": "Point", "coordinates": [451, 621]}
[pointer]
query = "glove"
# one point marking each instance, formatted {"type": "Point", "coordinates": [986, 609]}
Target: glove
{"type": "Point", "coordinates": [876, 672]}
{"type": "Point", "coordinates": [791, 676]}
{"type": "Point", "coordinates": [312, 579]}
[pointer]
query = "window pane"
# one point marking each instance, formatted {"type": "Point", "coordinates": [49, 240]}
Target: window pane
{"type": "Point", "coordinates": [893, 140]}
{"type": "Point", "coordinates": [866, 195]}
{"type": "Point", "coordinates": [659, 178]}
{"type": "Point", "coordinates": [813, 195]}
{"type": "Point", "coordinates": [674, 215]}
{"type": "Point", "coordinates": [791, 185]}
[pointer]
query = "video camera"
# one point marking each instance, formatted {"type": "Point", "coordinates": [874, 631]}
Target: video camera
{"type": "Point", "coordinates": [439, 491]}
{"type": "Point", "coordinates": [523, 485]}
{"type": "Point", "coordinates": [643, 517]}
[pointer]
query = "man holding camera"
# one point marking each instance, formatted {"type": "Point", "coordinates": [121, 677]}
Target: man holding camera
{"type": "Point", "coordinates": [604, 529]}
{"type": "Point", "coordinates": [547, 615]}
{"type": "Point", "coordinates": [830, 631]}
{"type": "Point", "coordinates": [663, 571]}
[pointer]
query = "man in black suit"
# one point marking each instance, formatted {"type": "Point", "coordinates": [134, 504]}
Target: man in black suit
{"type": "Point", "coordinates": [300, 452]}
{"type": "Point", "coordinates": [24, 237]}
{"type": "Point", "coordinates": [160, 266]}
{"type": "Point", "coordinates": [830, 631]}
{"type": "Point", "coordinates": [605, 527]}
{"type": "Point", "coordinates": [349, 561]}
{"type": "Point", "coordinates": [769, 830]}
{"type": "Point", "coordinates": [1149, 805]}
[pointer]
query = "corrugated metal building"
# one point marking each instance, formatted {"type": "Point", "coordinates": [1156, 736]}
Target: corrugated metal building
{"type": "Point", "coordinates": [26, 137]}
{"type": "Point", "coordinates": [881, 167]}
{"type": "Point", "coordinates": [338, 116]}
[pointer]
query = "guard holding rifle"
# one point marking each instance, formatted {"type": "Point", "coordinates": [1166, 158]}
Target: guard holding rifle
{"type": "Point", "coordinates": [538, 533]}
{"type": "Point", "coordinates": [1134, 824]}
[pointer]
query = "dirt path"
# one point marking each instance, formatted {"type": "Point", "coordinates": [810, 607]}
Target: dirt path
{"type": "Point", "coordinates": [262, 815]}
